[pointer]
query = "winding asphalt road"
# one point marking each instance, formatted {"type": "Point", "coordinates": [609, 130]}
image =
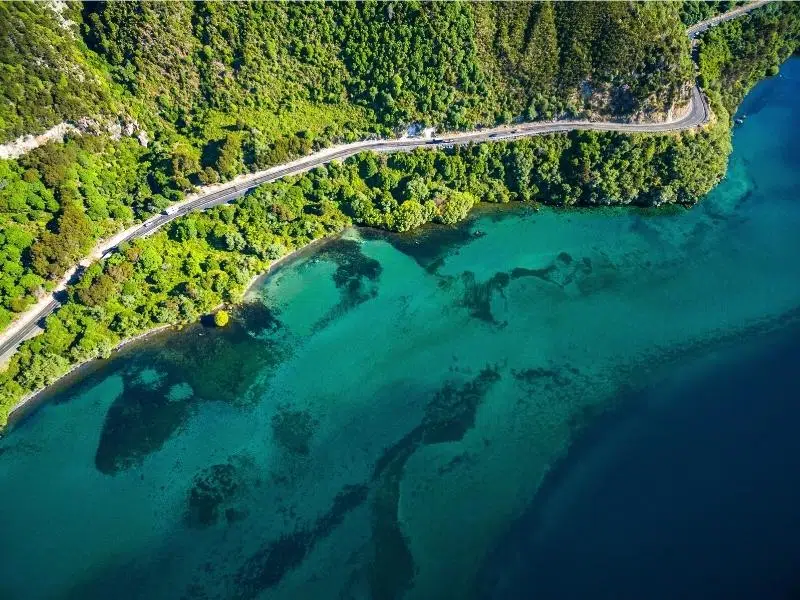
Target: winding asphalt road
{"type": "Point", "coordinates": [698, 114]}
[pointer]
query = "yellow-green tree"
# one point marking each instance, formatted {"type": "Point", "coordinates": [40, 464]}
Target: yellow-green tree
{"type": "Point", "coordinates": [221, 318]}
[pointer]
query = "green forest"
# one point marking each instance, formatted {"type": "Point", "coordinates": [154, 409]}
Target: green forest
{"type": "Point", "coordinates": [334, 69]}
{"type": "Point", "coordinates": [226, 88]}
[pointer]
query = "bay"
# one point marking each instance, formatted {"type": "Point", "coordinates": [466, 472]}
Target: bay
{"type": "Point", "coordinates": [378, 421]}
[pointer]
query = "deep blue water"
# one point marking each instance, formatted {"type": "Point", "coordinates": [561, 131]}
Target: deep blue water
{"type": "Point", "coordinates": [693, 493]}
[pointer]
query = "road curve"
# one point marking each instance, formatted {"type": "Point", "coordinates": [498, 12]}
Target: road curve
{"type": "Point", "coordinates": [697, 115]}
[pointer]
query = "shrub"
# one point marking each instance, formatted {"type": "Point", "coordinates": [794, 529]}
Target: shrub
{"type": "Point", "coordinates": [221, 318]}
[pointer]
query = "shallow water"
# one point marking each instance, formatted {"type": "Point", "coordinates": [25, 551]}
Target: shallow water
{"type": "Point", "coordinates": [380, 417]}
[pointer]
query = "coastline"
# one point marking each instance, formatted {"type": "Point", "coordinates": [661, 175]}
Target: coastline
{"type": "Point", "coordinates": [29, 403]}
{"type": "Point", "coordinates": [285, 260]}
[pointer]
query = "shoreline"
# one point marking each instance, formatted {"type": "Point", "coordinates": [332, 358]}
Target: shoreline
{"type": "Point", "coordinates": [306, 162]}
{"type": "Point", "coordinates": [28, 404]}
{"type": "Point", "coordinates": [108, 244]}
{"type": "Point", "coordinates": [286, 259]}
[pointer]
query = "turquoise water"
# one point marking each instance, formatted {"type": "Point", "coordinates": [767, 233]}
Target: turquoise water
{"type": "Point", "coordinates": [382, 413]}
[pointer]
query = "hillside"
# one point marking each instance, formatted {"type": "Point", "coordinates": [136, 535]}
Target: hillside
{"type": "Point", "coordinates": [46, 74]}
{"type": "Point", "coordinates": [336, 68]}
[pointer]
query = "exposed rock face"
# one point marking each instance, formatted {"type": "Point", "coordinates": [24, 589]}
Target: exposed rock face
{"type": "Point", "coordinates": [116, 127]}
{"type": "Point", "coordinates": [26, 143]}
{"type": "Point", "coordinates": [58, 7]}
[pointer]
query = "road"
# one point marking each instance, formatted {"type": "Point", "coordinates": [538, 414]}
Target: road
{"type": "Point", "coordinates": [700, 27]}
{"type": "Point", "coordinates": [698, 114]}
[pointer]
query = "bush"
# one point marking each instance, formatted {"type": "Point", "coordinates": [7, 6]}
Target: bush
{"type": "Point", "coordinates": [221, 318]}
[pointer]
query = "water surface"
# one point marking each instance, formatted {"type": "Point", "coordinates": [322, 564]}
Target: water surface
{"type": "Point", "coordinates": [377, 422]}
